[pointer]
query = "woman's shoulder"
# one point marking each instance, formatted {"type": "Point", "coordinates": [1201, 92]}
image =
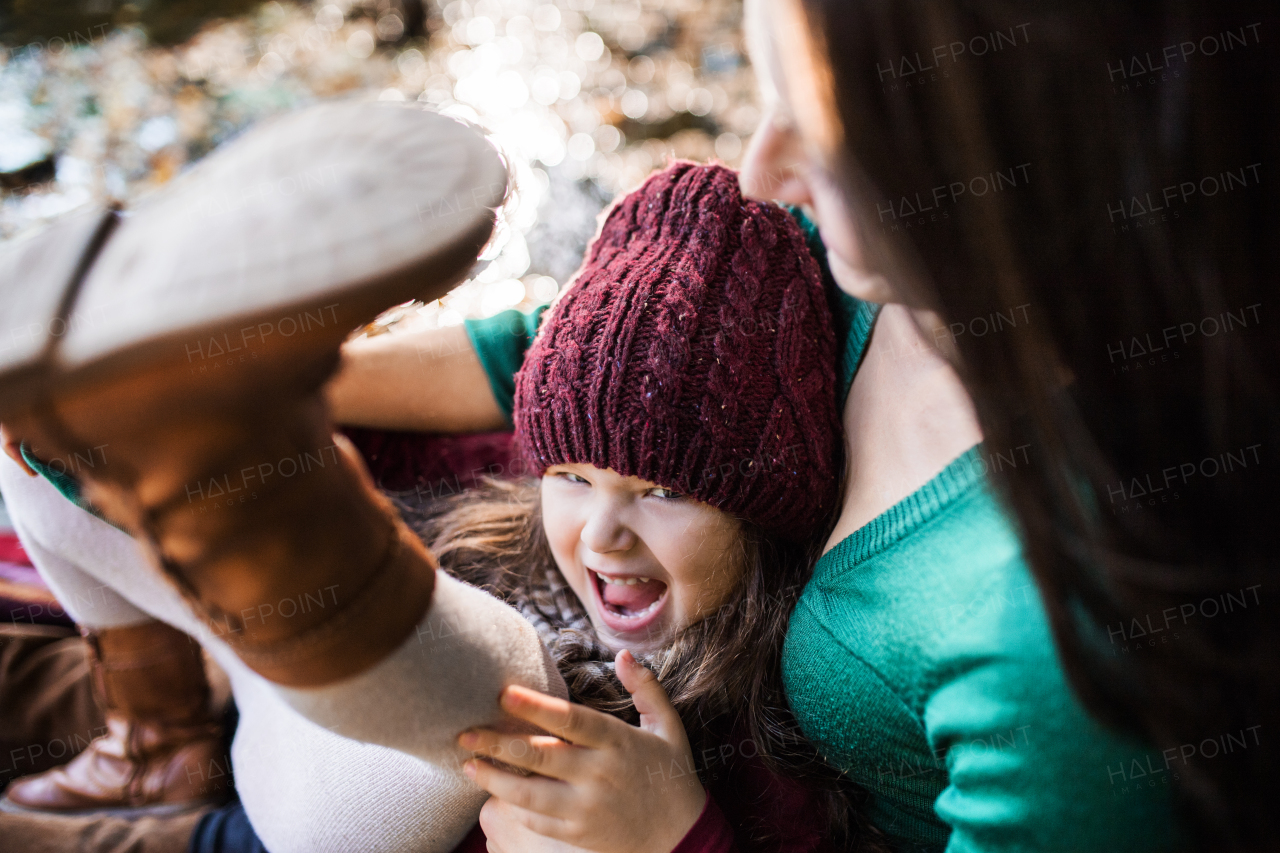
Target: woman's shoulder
{"type": "Point", "coordinates": [938, 562]}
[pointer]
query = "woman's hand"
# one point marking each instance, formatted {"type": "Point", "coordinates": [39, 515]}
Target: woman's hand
{"type": "Point", "coordinates": [601, 784]}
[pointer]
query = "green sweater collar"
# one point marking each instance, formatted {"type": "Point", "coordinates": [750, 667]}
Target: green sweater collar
{"type": "Point", "coordinates": [912, 512]}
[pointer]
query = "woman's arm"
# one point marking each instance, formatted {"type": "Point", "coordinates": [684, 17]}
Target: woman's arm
{"type": "Point", "coordinates": [1028, 768]}
{"type": "Point", "coordinates": [452, 379]}
{"type": "Point", "coordinates": [430, 380]}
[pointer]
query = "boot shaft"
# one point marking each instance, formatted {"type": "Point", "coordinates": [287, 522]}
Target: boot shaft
{"type": "Point", "coordinates": [149, 672]}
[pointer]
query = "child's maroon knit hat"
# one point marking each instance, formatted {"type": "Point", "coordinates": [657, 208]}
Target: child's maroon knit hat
{"type": "Point", "coordinates": [695, 350]}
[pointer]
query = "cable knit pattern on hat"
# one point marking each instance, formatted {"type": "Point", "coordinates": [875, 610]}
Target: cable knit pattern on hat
{"type": "Point", "coordinates": [695, 349]}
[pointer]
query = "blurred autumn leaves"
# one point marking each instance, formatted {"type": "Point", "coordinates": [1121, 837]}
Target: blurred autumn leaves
{"type": "Point", "coordinates": [165, 22]}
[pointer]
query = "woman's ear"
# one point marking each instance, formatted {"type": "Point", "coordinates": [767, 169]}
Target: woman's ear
{"type": "Point", "coordinates": [774, 166]}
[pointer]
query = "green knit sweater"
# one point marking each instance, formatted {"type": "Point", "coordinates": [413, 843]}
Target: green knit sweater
{"type": "Point", "coordinates": [919, 660]}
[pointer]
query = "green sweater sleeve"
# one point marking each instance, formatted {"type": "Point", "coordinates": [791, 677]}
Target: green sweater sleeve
{"type": "Point", "coordinates": [1028, 769]}
{"type": "Point", "coordinates": [500, 342]}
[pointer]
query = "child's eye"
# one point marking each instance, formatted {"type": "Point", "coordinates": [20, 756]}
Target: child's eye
{"type": "Point", "coordinates": [666, 494]}
{"type": "Point", "coordinates": [571, 477]}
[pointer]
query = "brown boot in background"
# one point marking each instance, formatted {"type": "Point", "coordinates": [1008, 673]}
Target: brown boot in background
{"type": "Point", "coordinates": [48, 712]}
{"type": "Point", "coordinates": [34, 832]}
{"type": "Point", "coordinates": [163, 751]}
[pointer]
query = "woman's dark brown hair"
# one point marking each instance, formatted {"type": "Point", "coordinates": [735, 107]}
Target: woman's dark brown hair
{"type": "Point", "coordinates": [722, 674]}
{"type": "Point", "coordinates": [1084, 191]}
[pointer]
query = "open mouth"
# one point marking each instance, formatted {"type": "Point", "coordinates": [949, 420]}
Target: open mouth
{"type": "Point", "coordinates": [628, 602]}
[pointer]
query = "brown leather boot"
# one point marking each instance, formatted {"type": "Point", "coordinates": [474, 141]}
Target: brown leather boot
{"type": "Point", "coordinates": [196, 373]}
{"type": "Point", "coordinates": [163, 751]}
{"type": "Point", "coordinates": [48, 711]}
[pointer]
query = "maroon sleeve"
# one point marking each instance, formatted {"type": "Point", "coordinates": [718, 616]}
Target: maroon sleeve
{"type": "Point", "coordinates": [769, 806]}
{"type": "Point", "coordinates": [474, 842]}
{"type": "Point", "coordinates": [711, 834]}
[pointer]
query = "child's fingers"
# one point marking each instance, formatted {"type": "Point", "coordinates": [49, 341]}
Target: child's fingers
{"type": "Point", "coordinates": [577, 724]}
{"type": "Point", "coordinates": [656, 712]}
{"type": "Point", "coordinates": [549, 797]}
{"type": "Point", "coordinates": [511, 829]}
{"type": "Point", "coordinates": [546, 756]}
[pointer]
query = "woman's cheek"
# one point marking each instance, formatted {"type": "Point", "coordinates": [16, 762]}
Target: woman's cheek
{"type": "Point", "coordinates": [845, 257]}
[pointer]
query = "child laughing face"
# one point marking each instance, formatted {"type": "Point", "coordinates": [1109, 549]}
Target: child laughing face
{"type": "Point", "coordinates": [644, 560]}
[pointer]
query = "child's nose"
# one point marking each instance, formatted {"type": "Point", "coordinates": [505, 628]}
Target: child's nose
{"type": "Point", "coordinates": [606, 531]}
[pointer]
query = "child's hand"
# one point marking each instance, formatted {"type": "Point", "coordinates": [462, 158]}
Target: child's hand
{"type": "Point", "coordinates": [505, 833]}
{"type": "Point", "coordinates": [602, 784]}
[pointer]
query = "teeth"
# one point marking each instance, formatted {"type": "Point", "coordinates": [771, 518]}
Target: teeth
{"type": "Point", "coordinates": [624, 581]}
{"type": "Point", "coordinates": [637, 614]}
{"type": "Point", "coordinates": [646, 611]}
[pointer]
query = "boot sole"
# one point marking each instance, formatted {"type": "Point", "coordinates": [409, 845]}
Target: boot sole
{"type": "Point", "coordinates": [277, 245]}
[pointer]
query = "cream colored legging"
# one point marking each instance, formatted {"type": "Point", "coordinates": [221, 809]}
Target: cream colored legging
{"type": "Point", "coordinates": [368, 764]}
